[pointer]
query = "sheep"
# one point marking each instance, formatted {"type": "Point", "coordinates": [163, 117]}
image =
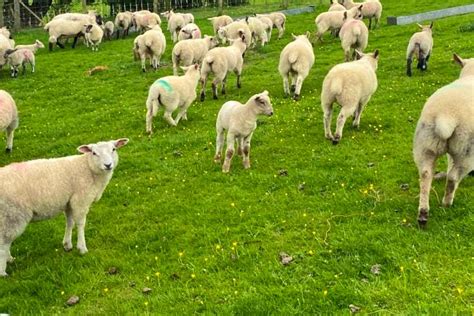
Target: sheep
{"type": "Point", "coordinates": [188, 17]}
{"type": "Point", "coordinates": [235, 30]}
{"type": "Point", "coordinates": [336, 6]}
{"type": "Point", "coordinates": [296, 60]}
{"type": "Point", "coordinates": [353, 34]}
{"type": "Point", "coordinates": [333, 20]}
{"type": "Point", "coordinates": [93, 35]}
{"type": "Point", "coordinates": [268, 26]}
{"type": "Point", "coordinates": [371, 9]}
{"type": "Point", "coordinates": [240, 121]}
{"type": "Point", "coordinates": [151, 44]}
{"type": "Point", "coordinates": [40, 189]}
{"type": "Point", "coordinates": [6, 33]}
{"type": "Point", "coordinates": [19, 57]}
{"type": "Point", "coordinates": [108, 29]}
{"type": "Point", "coordinates": [5, 44]}
{"type": "Point", "coordinates": [220, 61]}
{"type": "Point", "coordinates": [420, 45]}
{"type": "Point", "coordinates": [351, 84]}
{"type": "Point", "coordinates": [143, 19]}
{"type": "Point", "coordinates": [446, 126]}
{"type": "Point", "coordinates": [258, 30]}
{"type": "Point", "coordinates": [189, 31]}
{"type": "Point", "coordinates": [191, 51]}
{"type": "Point", "coordinates": [123, 21]}
{"type": "Point", "coordinates": [278, 19]}
{"type": "Point", "coordinates": [172, 92]}
{"type": "Point", "coordinates": [8, 117]}
{"type": "Point", "coordinates": [88, 18]}
{"type": "Point", "coordinates": [220, 21]}
{"type": "Point", "coordinates": [176, 22]}
{"type": "Point", "coordinates": [33, 47]}
{"type": "Point", "coordinates": [60, 28]}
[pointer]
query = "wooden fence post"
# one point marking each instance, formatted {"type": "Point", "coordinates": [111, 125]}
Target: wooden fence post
{"type": "Point", "coordinates": [84, 6]}
{"type": "Point", "coordinates": [155, 6]}
{"type": "Point", "coordinates": [2, 21]}
{"type": "Point", "coordinates": [220, 9]}
{"type": "Point", "coordinates": [16, 15]}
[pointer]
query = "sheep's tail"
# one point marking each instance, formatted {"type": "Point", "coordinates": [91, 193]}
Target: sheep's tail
{"type": "Point", "coordinates": [209, 60]}
{"type": "Point", "coordinates": [417, 50]}
{"type": "Point", "coordinates": [46, 27]}
{"type": "Point", "coordinates": [336, 86]}
{"type": "Point", "coordinates": [445, 126]}
{"type": "Point", "coordinates": [154, 99]}
{"type": "Point", "coordinates": [293, 57]}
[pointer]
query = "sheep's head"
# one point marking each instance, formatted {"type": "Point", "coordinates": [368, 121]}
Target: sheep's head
{"type": "Point", "coordinates": [212, 41]}
{"type": "Point", "coordinates": [103, 156]}
{"type": "Point", "coordinates": [87, 28]}
{"type": "Point", "coordinates": [39, 44]}
{"type": "Point", "coordinates": [467, 65]}
{"type": "Point", "coordinates": [264, 105]}
{"type": "Point", "coordinates": [304, 38]}
{"type": "Point", "coordinates": [355, 12]}
{"type": "Point", "coordinates": [426, 28]}
{"type": "Point", "coordinates": [5, 32]}
{"type": "Point", "coordinates": [193, 70]}
{"type": "Point", "coordinates": [372, 58]}
{"type": "Point", "coordinates": [222, 33]}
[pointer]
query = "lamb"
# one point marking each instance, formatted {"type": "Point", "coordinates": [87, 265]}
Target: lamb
{"type": "Point", "coordinates": [353, 34]}
{"type": "Point", "coordinates": [172, 92]}
{"type": "Point", "coordinates": [220, 61]}
{"type": "Point", "coordinates": [176, 22]}
{"type": "Point", "coordinates": [278, 19]}
{"type": "Point", "coordinates": [93, 35]}
{"type": "Point", "coordinates": [296, 60]}
{"type": "Point", "coordinates": [371, 9]}
{"type": "Point", "coordinates": [188, 17]}
{"type": "Point", "coordinates": [6, 33]}
{"type": "Point", "coordinates": [235, 30]}
{"type": "Point", "coordinates": [5, 44]}
{"type": "Point", "coordinates": [8, 117]}
{"type": "Point", "coordinates": [446, 126]}
{"type": "Point", "coordinates": [59, 28]}
{"type": "Point", "coordinates": [19, 57]}
{"type": "Point", "coordinates": [336, 6]}
{"type": "Point", "coordinates": [268, 26]}
{"type": "Point", "coordinates": [420, 45]}
{"type": "Point", "coordinates": [351, 85]}
{"type": "Point", "coordinates": [191, 51]}
{"type": "Point", "coordinates": [123, 21]}
{"type": "Point", "coordinates": [220, 21]}
{"type": "Point", "coordinates": [333, 20]}
{"type": "Point", "coordinates": [143, 19]}
{"type": "Point", "coordinates": [257, 29]}
{"type": "Point", "coordinates": [108, 29]}
{"type": "Point", "coordinates": [40, 189]}
{"type": "Point", "coordinates": [240, 121]}
{"type": "Point", "coordinates": [151, 44]}
{"type": "Point", "coordinates": [189, 31]}
{"type": "Point", "coordinates": [33, 47]}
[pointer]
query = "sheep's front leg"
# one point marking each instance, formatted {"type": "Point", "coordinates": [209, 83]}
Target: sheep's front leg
{"type": "Point", "coordinates": [229, 152]}
{"type": "Point", "coordinates": [81, 239]}
{"type": "Point", "coordinates": [238, 73]}
{"type": "Point", "coordinates": [299, 84]}
{"type": "Point", "coordinates": [224, 83]}
{"type": "Point", "coordinates": [246, 151]}
{"type": "Point", "coordinates": [167, 116]}
{"type": "Point", "coordinates": [10, 133]}
{"type": "Point", "coordinates": [67, 240]}
{"type": "Point", "coordinates": [346, 111]}
{"type": "Point", "coordinates": [219, 144]}
{"type": "Point", "coordinates": [143, 59]}
{"type": "Point", "coordinates": [4, 256]}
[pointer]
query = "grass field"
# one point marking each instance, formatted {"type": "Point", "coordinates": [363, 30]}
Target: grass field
{"type": "Point", "coordinates": [208, 242]}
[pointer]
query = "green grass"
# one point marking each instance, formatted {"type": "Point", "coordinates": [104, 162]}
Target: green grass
{"type": "Point", "coordinates": [167, 196]}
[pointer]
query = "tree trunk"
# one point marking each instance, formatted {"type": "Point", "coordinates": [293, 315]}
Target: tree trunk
{"type": "Point", "coordinates": [16, 17]}
{"type": "Point", "coordinates": [155, 6]}
{"type": "Point", "coordinates": [84, 6]}
{"type": "Point", "coordinates": [2, 21]}
{"type": "Point", "coordinates": [220, 9]}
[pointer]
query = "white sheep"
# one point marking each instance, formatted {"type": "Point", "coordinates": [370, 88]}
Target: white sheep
{"type": "Point", "coordinates": [20, 57]}
{"type": "Point", "coordinates": [351, 85]}
{"type": "Point", "coordinates": [333, 20]}
{"type": "Point", "coordinates": [296, 60]}
{"type": "Point", "coordinates": [268, 25]}
{"type": "Point", "coordinates": [189, 31]}
{"type": "Point", "coordinates": [258, 30]}
{"type": "Point", "coordinates": [371, 9]}
{"type": "Point", "coordinates": [151, 44]}
{"type": "Point", "coordinates": [354, 35]}
{"type": "Point", "coordinates": [172, 92]}
{"type": "Point", "coordinates": [446, 126]}
{"type": "Point", "coordinates": [220, 21]}
{"type": "Point", "coordinates": [93, 35]}
{"type": "Point", "coordinates": [5, 44]}
{"type": "Point", "coordinates": [8, 117]}
{"type": "Point", "coordinates": [279, 20]}
{"type": "Point", "coordinates": [108, 29]}
{"type": "Point", "coordinates": [33, 47]}
{"type": "Point", "coordinates": [88, 18]}
{"type": "Point", "coordinates": [40, 189]}
{"type": "Point", "coordinates": [176, 22]}
{"type": "Point", "coordinates": [235, 30]}
{"type": "Point", "coordinates": [240, 121]}
{"type": "Point", "coordinates": [191, 51]}
{"type": "Point", "coordinates": [220, 61]}
{"type": "Point", "coordinates": [336, 6]}
{"type": "Point", "coordinates": [188, 17]}
{"type": "Point", "coordinates": [123, 21]}
{"type": "Point", "coordinates": [144, 19]}
{"type": "Point", "coordinates": [6, 33]}
{"type": "Point", "coordinates": [59, 29]}
{"type": "Point", "coordinates": [420, 45]}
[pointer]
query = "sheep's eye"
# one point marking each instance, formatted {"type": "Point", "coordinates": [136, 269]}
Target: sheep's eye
{"type": "Point", "coordinates": [113, 149]}
{"type": "Point", "coordinates": [94, 153]}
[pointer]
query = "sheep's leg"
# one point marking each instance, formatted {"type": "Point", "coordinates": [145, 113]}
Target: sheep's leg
{"type": "Point", "coordinates": [61, 45]}
{"type": "Point", "coordinates": [457, 171]}
{"type": "Point", "coordinates": [238, 73]}
{"type": "Point", "coordinates": [409, 61]}
{"type": "Point", "coordinates": [224, 82]}
{"type": "Point", "coordinates": [4, 256]}
{"type": "Point", "coordinates": [246, 151]}
{"type": "Point", "coordinates": [281, 30]}
{"type": "Point", "coordinates": [327, 109]}
{"type": "Point", "coordinates": [182, 113]}
{"type": "Point", "coordinates": [67, 240]}
{"type": "Point", "coordinates": [426, 167]}
{"type": "Point", "coordinates": [299, 83]}
{"type": "Point", "coordinates": [167, 116]}
{"type": "Point", "coordinates": [370, 23]}
{"type": "Point", "coordinates": [143, 59]}
{"type": "Point", "coordinates": [219, 144]}
{"type": "Point", "coordinates": [346, 111]}
{"type": "Point", "coordinates": [215, 83]}
{"type": "Point", "coordinates": [286, 84]}
{"type": "Point", "coordinates": [10, 134]}
{"type": "Point", "coordinates": [81, 239]}
{"type": "Point", "coordinates": [75, 40]}
{"type": "Point", "coordinates": [240, 145]}
{"type": "Point", "coordinates": [203, 87]}
{"type": "Point", "coordinates": [358, 113]}
{"type": "Point", "coordinates": [32, 63]}
{"type": "Point", "coordinates": [229, 152]}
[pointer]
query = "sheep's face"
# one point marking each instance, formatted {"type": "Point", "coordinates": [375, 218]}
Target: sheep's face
{"type": "Point", "coordinates": [264, 104]}
{"type": "Point", "coordinates": [222, 34]}
{"type": "Point", "coordinates": [103, 155]}
{"type": "Point", "coordinates": [356, 13]}
{"type": "Point", "coordinates": [39, 44]}
{"type": "Point", "coordinates": [212, 40]}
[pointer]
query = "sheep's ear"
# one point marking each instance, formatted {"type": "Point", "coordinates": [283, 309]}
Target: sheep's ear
{"type": "Point", "coordinates": [294, 36]}
{"type": "Point", "coordinates": [84, 149]}
{"type": "Point", "coordinates": [431, 25]}
{"type": "Point", "coordinates": [184, 68]}
{"type": "Point", "coordinates": [345, 16]}
{"type": "Point", "coordinates": [360, 7]}
{"type": "Point", "coordinates": [359, 54]}
{"type": "Point", "coordinates": [120, 142]}
{"type": "Point", "coordinates": [458, 60]}
{"type": "Point", "coordinates": [419, 25]}
{"type": "Point", "coordinates": [376, 54]}
{"type": "Point", "coordinates": [196, 66]}
{"type": "Point", "coordinates": [308, 34]}
{"type": "Point", "coordinates": [265, 92]}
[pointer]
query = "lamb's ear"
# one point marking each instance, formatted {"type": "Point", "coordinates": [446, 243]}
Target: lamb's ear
{"type": "Point", "coordinates": [184, 68]}
{"type": "Point", "coordinates": [265, 92]}
{"type": "Point", "coordinates": [458, 60]}
{"type": "Point", "coordinates": [376, 54]}
{"type": "Point", "coordinates": [419, 25]}
{"type": "Point", "coordinates": [196, 66]}
{"type": "Point", "coordinates": [294, 36]}
{"type": "Point", "coordinates": [84, 149]}
{"type": "Point", "coordinates": [359, 54]}
{"type": "Point", "coordinates": [360, 7]}
{"type": "Point", "coordinates": [431, 25]}
{"type": "Point", "coordinates": [345, 16]}
{"type": "Point", "coordinates": [308, 34]}
{"type": "Point", "coordinates": [120, 142]}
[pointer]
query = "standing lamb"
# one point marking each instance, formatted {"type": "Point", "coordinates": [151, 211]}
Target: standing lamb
{"type": "Point", "coordinates": [220, 21]}
{"type": "Point", "coordinates": [33, 47]}
{"type": "Point", "coordinates": [336, 6]}
{"type": "Point", "coordinates": [151, 44]}
{"type": "Point", "coordinates": [5, 44]}
{"type": "Point", "coordinates": [268, 26]}
{"type": "Point", "coordinates": [108, 29]}
{"type": "Point", "coordinates": [191, 51]}
{"type": "Point", "coordinates": [172, 92]}
{"type": "Point", "coordinates": [20, 57]}
{"type": "Point", "coordinates": [123, 21]}
{"type": "Point", "coordinates": [334, 20]}
{"type": "Point", "coordinates": [176, 22]}
{"type": "Point", "coordinates": [189, 31]}
{"type": "Point", "coordinates": [220, 61]}
{"type": "Point", "coordinates": [240, 121]}
{"type": "Point", "coordinates": [59, 29]}
{"type": "Point", "coordinates": [258, 30]}
{"type": "Point", "coordinates": [354, 35]}
{"type": "Point", "coordinates": [420, 45]}
{"type": "Point", "coordinates": [278, 19]}
{"type": "Point", "coordinates": [93, 34]}
{"type": "Point", "coordinates": [351, 85]}
{"type": "Point", "coordinates": [371, 9]}
{"type": "Point", "coordinates": [235, 30]}
{"type": "Point", "coordinates": [40, 189]}
{"type": "Point", "coordinates": [446, 126]}
{"type": "Point", "coordinates": [296, 61]}
{"type": "Point", "coordinates": [8, 118]}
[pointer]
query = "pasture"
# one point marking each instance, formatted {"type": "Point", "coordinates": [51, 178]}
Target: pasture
{"type": "Point", "coordinates": [208, 242]}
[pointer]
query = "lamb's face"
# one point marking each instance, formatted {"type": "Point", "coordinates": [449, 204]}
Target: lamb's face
{"type": "Point", "coordinates": [39, 44]}
{"type": "Point", "coordinates": [221, 34]}
{"type": "Point", "coordinates": [213, 42]}
{"type": "Point", "coordinates": [103, 155]}
{"type": "Point", "coordinates": [264, 104]}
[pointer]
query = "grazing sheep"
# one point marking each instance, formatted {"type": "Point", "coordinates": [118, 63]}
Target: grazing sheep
{"type": "Point", "coordinates": [33, 47]}
{"type": "Point", "coordinates": [191, 51]}
{"type": "Point", "coordinates": [40, 189]}
{"type": "Point", "coordinates": [351, 85]}
{"type": "Point", "coordinates": [93, 35]}
{"type": "Point", "coordinates": [420, 45]}
{"type": "Point", "coordinates": [258, 30]}
{"type": "Point", "coordinates": [354, 35]}
{"type": "Point", "coordinates": [336, 6]}
{"type": "Point", "coordinates": [151, 44]}
{"type": "Point", "coordinates": [5, 44]}
{"type": "Point", "coordinates": [235, 30]}
{"type": "Point", "coordinates": [268, 26]}
{"type": "Point", "coordinates": [220, 61]}
{"type": "Point", "coordinates": [446, 126]}
{"type": "Point", "coordinates": [123, 21]}
{"type": "Point", "coordinates": [176, 22]}
{"type": "Point", "coordinates": [8, 117]}
{"type": "Point", "coordinates": [240, 121]}
{"type": "Point", "coordinates": [371, 9]}
{"type": "Point", "coordinates": [108, 29]}
{"type": "Point", "coordinates": [172, 92]}
{"type": "Point", "coordinates": [278, 19]}
{"type": "Point", "coordinates": [296, 60]}
{"type": "Point", "coordinates": [20, 57]}
{"type": "Point", "coordinates": [333, 20]}
{"type": "Point", "coordinates": [220, 21]}
{"type": "Point", "coordinates": [59, 29]}
{"type": "Point", "coordinates": [189, 31]}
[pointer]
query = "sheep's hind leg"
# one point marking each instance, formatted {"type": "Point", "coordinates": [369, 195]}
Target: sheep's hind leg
{"type": "Point", "coordinates": [224, 82]}
{"type": "Point", "coordinates": [10, 134]}
{"type": "Point", "coordinates": [299, 84]}
{"type": "Point", "coordinates": [341, 120]}
{"type": "Point", "coordinates": [203, 88]}
{"type": "Point", "coordinates": [219, 144]}
{"type": "Point", "coordinates": [327, 109]}
{"type": "Point", "coordinates": [457, 171]}
{"type": "Point", "coordinates": [229, 152]}
{"type": "Point", "coordinates": [4, 258]}
{"type": "Point", "coordinates": [286, 85]}
{"type": "Point", "coordinates": [167, 116]}
{"type": "Point", "coordinates": [426, 170]}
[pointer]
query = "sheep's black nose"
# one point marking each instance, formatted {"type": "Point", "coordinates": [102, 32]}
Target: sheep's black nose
{"type": "Point", "coordinates": [108, 165]}
{"type": "Point", "coordinates": [271, 113]}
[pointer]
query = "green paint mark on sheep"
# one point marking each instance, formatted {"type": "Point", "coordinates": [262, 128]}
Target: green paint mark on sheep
{"type": "Point", "coordinates": [165, 84]}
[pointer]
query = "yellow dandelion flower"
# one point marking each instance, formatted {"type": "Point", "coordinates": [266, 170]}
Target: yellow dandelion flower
{"type": "Point", "coordinates": [310, 252]}
{"type": "Point", "coordinates": [157, 274]}
{"type": "Point", "coordinates": [232, 248]}
{"type": "Point", "coordinates": [234, 244]}
{"type": "Point", "coordinates": [193, 276]}
{"type": "Point", "coordinates": [232, 204]}
{"type": "Point", "coordinates": [304, 214]}
{"type": "Point", "coordinates": [402, 269]}
{"type": "Point", "coordinates": [404, 221]}
{"type": "Point", "coordinates": [62, 292]}
{"type": "Point", "coordinates": [146, 303]}
{"type": "Point", "coordinates": [156, 258]}
{"type": "Point", "coordinates": [365, 192]}
{"type": "Point", "coordinates": [148, 278]}
{"type": "Point", "coordinates": [106, 290]}
{"type": "Point", "coordinates": [325, 292]}
{"type": "Point", "coordinates": [181, 253]}
{"type": "Point", "coordinates": [460, 290]}
{"type": "Point", "coordinates": [218, 247]}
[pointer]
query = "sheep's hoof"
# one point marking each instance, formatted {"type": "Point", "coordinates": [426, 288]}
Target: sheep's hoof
{"type": "Point", "coordinates": [239, 85]}
{"type": "Point", "coordinates": [225, 170]}
{"type": "Point", "coordinates": [471, 173]}
{"type": "Point", "coordinates": [409, 73]}
{"type": "Point", "coordinates": [447, 203]}
{"type": "Point", "coordinates": [293, 88]}
{"type": "Point", "coordinates": [423, 218]}
{"type": "Point", "coordinates": [83, 251]}
{"type": "Point", "coordinates": [217, 159]}
{"type": "Point", "coordinates": [3, 274]}
{"type": "Point", "coordinates": [8, 150]}
{"type": "Point", "coordinates": [336, 140]}
{"type": "Point", "coordinates": [67, 248]}
{"type": "Point", "coordinates": [143, 69]}
{"type": "Point", "coordinates": [297, 97]}
{"type": "Point", "coordinates": [11, 259]}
